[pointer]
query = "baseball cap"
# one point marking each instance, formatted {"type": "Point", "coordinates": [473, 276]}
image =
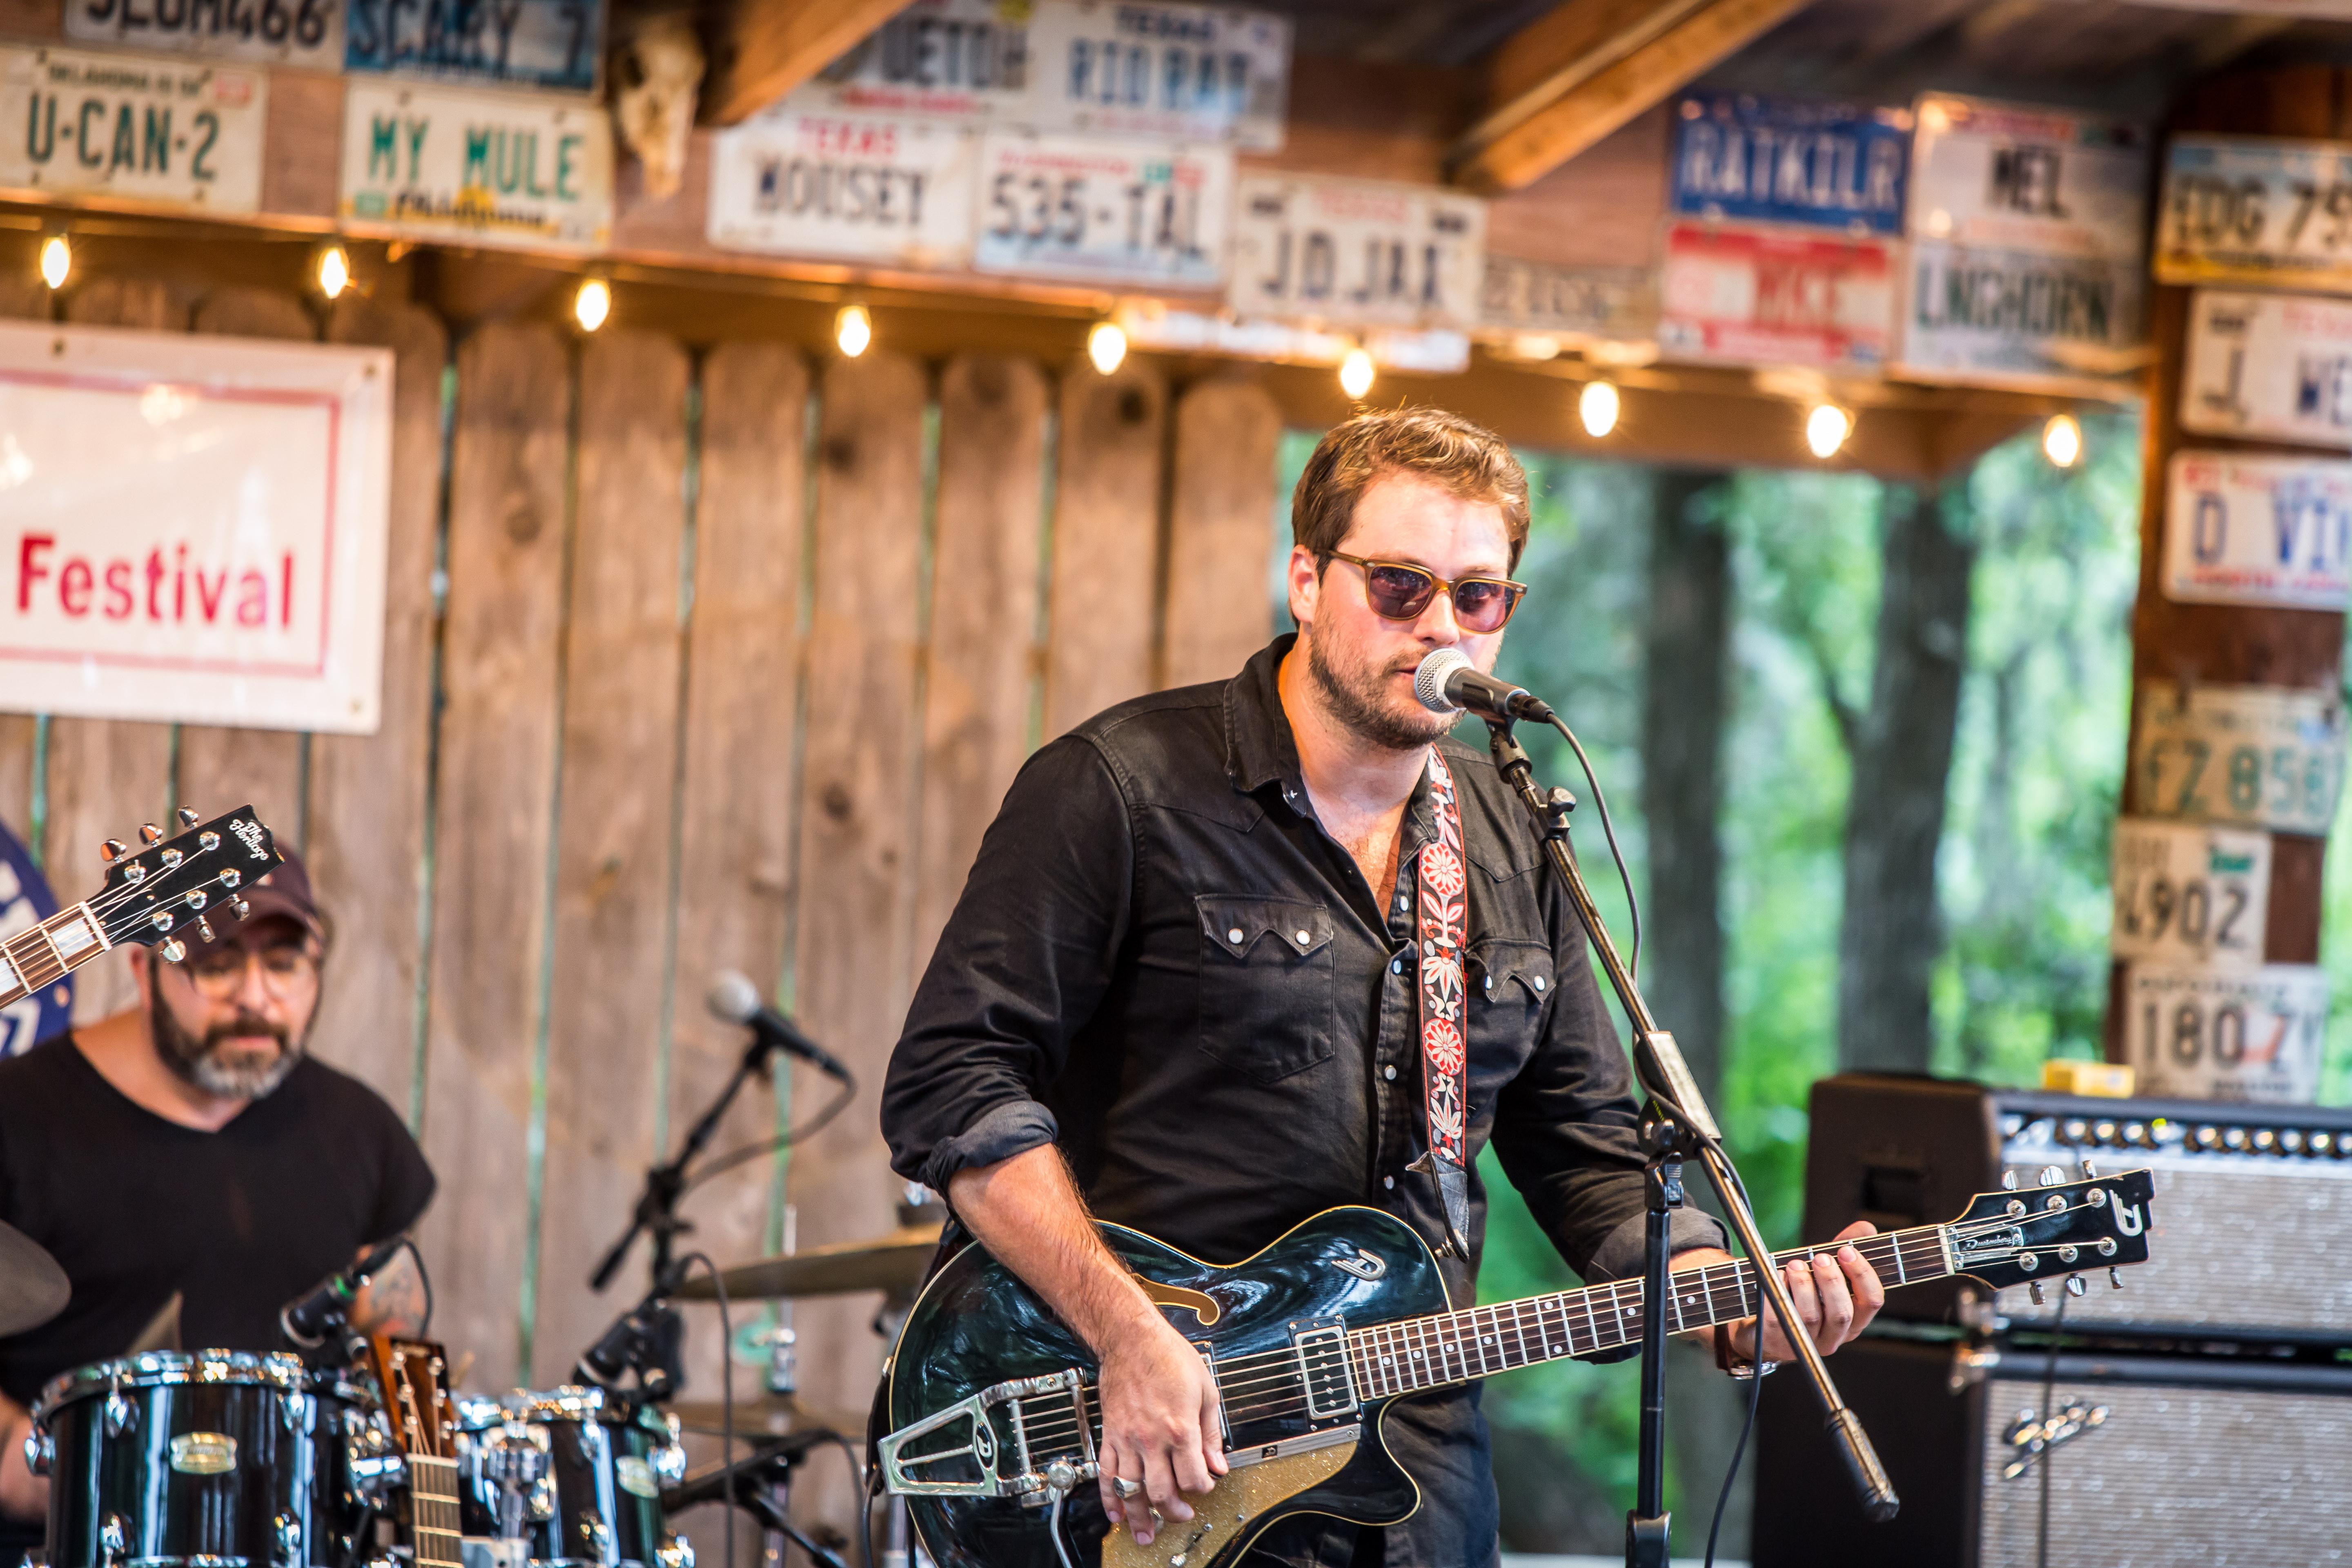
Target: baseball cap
{"type": "Point", "coordinates": [284, 893]}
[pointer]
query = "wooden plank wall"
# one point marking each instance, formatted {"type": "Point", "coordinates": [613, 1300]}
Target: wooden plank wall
{"type": "Point", "coordinates": [697, 657]}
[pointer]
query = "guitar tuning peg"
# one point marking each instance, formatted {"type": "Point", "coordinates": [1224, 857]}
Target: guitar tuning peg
{"type": "Point", "coordinates": [2115, 1277]}
{"type": "Point", "coordinates": [2075, 1285]}
{"type": "Point", "coordinates": [174, 950]}
{"type": "Point", "coordinates": [149, 833]}
{"type": "Point", "coordinates": [114, 849]}
{"type": "Point", "coordinates": [2052, 1176]}
{"type": "Point", "coordinates": [2090, 1171]}
{"type": "Point", "coordinates": [2034, 1289]}
{"type": "Point", "coordinates": [242, 908]}
{"type": "Point", "coordinates": [2008, 1181]}
{"type": "Point", "coordinates": [204, 934]}
{"type": "Point", "coordinates": [188, 816]}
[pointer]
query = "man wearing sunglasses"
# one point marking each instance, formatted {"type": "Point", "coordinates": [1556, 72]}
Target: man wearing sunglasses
{"type": "Point", "coordinates": [190, 1147]}
{"type": "Point", "coordinates": [1183, 991]}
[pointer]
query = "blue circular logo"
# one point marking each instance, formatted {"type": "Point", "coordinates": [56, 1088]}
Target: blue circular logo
{"type": "Point", "coordinates": [25, 902]}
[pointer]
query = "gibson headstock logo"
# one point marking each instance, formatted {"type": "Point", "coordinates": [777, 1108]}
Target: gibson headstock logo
{"type": "Point", "coordinates": [248, 833]}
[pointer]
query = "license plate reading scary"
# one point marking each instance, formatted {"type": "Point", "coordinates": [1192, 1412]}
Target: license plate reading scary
{"type": "Point", "coordinates": [1054, 206]}
{"type": "Point", "coordinates": [1358, 253]}
{"type": "Point", "coordinates": [130, 125]}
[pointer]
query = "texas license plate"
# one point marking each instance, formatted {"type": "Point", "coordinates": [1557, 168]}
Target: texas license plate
{"type": "Point", "coordinates": [1055, 206]}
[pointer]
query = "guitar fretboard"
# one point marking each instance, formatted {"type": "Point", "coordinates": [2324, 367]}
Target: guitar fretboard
{"type": "Point", "coordinates": [48, 952]}
{"type": "Point", "coordinates": [433, 1499]}
{"type": "Point", "coordinates": [1415, 1354]}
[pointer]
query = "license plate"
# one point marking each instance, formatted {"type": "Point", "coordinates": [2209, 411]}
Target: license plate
{"type": "Point", "coordinates": [2269, 366]}
{"type": "Point", "coordinates": [2248, 756]}
{"type": "Point", "coordinates": [1061, 206]}
{"type": "Point", "coordinates": [176, 130]}
{"type": "Point", "coordinates": [308, 33]}
{"type": "Point", "coordinates": [2017, 318]}
{"type": "Point", "coordinates": [479, 168]}
{"type": "Point", "coordinates": [2193, 1034]}
{"type": "Point", "coordinates": [884, 190]}
{"type": "Point", "coordinates": [2008, 177]}
{"type": "Point", "coordinates": [1573, 302]}
{"type": "Point", "coordinates": [2273, 212]}
{"type": "Point", "coordinates": [513, 43]}
{"type": "Point", "coordinates": [1752, 296]}
{"type": "Point", "coordinates": [1351, 253]}
{"type": "Point", "coordinates": [1796, 161]}
{"type": "Point", "coordinates": [1174, 73]}
{"type": "Point", "coordinates": [2190, 894]}
{"type": "Point", "coordinates": [944, 59]}
{"type": "Point", "coordinates": [2258, 531]}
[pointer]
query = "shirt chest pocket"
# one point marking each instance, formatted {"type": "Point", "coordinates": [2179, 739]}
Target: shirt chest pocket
{"type": "Point", "coordinates": [1509, 984]}
{"type": "Point", "coordinates": [1267, 983]}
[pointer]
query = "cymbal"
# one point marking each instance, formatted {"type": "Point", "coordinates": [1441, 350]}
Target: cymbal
{"type": "Point", "coordinates": [769, 1416]}
{"type": "Point", "coordinates": [32, 1288]}
{"type": "Point", "coordinates": [893, 1262]}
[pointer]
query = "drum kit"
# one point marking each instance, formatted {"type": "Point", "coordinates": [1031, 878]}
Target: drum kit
{"type": "Point", "coordinates": [216, 1458]}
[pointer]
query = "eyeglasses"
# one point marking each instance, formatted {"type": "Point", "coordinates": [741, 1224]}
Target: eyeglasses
{"type": "Point", "coordinates": [1400, 591]}
{"type": "Point", "coordinates": [219, 974]}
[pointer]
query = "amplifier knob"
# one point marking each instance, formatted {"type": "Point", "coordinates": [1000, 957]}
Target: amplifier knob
{"type": "Point", "coordinates": [2235, 1138]}
{"type": "Point", "coordinates": [2208, 1137]}
{"type": "Point", "coordinates": [2289, 1141]}
{"type": "Point", "coordinates": [2322, 1143]}
{"type": "Point", "coordinates": [2074, 1129]}
{"type": "Point", "coordinates": [2265, 1141]}
{"type": "Point", "coordinates": [2135, 1132]}
{"type": "Point", "coordinates": [2104, 1132]}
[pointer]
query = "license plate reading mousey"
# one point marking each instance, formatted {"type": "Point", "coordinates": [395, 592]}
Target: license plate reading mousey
{"type": "Point", "coordinates": [1062, 207]}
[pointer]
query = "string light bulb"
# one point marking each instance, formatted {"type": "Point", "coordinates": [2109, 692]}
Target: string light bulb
{"type": "Point", "coordinates": [1826, 429]}
{"type": "Point", "coordinates": [591, 307]}
{"type": "Point", "coordinates": [2062, 440]}
{"type": "Point", "coordinates": [1356, 374]}
{"type": "Point", "coordinates": [1597, 405]}
{"type": "Point", "coordinates": [57, 260]}
{"type": "Point", "coordinates": [1106, 346]}
{"type": "Point", "coordinates": [334, 271]}
{"type": "Point", "coordinates": [853, 330]}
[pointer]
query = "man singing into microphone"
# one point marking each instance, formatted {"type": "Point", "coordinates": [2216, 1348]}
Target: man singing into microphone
{"type": "Point", "coordinates": [190, 1146]}
{"type": "Point", "coordinates": [1181, 992]}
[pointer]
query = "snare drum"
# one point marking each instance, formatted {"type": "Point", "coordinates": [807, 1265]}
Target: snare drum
{"type": "Point", "coordinates": [200, 1460]}
{"type": "Point", "coordinates": [575, 1473]}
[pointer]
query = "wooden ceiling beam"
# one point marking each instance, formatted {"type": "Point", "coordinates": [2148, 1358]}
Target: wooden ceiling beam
{"type": "Point", "coordinates": [1570, 78]}
{"type": "Point", "coordinates": [762, 49]}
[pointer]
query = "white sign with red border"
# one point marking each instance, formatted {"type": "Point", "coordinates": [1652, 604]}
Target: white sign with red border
{"type": "Point", "coordinates": [1754, 296]}
{"type": "Point", "coordinates": [2241, 529]}
{"type": "Point", "coordinates": [192, 528]}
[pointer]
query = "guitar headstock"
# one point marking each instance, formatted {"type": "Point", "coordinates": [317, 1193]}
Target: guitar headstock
{"type": "Point", "coordinates": [413, 1377]}
{"type": "Point", "coordinates": [2047, 1233]}
{"type": "Point", "coordinates": [171, 890]}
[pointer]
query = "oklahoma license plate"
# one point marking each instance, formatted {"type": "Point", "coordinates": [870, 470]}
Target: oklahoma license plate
{"type": "Point", "coordinates": [1064, 206]}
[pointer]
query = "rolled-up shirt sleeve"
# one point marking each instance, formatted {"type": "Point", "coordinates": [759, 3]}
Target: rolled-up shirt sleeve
{"type": "Point", "coordinates": [1021, 965]}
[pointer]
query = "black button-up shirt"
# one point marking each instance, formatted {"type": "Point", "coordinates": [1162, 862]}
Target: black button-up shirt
{"type": "Point", "coordinates": [1163, 963]}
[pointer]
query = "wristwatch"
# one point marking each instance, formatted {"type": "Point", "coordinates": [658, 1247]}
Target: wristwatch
{"type": "Point", "coordinates": [1725, 1357]}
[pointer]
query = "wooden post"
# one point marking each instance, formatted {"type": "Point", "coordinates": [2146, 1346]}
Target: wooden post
{"type": "Point", "coordinates": [1106, 540]}
{"type": "Point", "coordinates": [2179, 648]}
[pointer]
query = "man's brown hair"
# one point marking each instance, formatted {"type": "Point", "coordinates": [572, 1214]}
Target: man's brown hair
{"type": "Point", "coordinates": [1467, 459]}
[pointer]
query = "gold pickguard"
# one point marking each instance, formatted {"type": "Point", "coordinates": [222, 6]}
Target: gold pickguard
{"type": "Point", "coordinates": [1240, 1497]}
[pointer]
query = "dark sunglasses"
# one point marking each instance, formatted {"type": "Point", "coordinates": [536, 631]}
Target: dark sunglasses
{"type": "Point", "coordinates": [1400, 591]}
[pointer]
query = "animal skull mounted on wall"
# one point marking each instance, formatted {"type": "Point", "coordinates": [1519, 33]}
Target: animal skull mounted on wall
{"type": "Point", "coordinates": [657, 74]}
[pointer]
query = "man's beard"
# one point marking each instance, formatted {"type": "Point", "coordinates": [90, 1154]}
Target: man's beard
{"type": "Point", "coordinates": [201, 1063]}
{"type": "Point", "coordinates": [1357, 702]}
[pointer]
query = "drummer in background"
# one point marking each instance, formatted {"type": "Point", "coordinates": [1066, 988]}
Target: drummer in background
{"type": "Point", "coordinates": [191, 1144]}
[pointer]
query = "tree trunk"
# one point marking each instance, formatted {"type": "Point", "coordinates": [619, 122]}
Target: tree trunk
{"type": "Point", "coordinates": [1892, 928]}
{"type": "Point", "coordinates": [1686, 651]}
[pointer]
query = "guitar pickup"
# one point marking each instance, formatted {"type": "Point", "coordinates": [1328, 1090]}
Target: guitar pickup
{"type": "Point", "coordinates": [1320, 1347]}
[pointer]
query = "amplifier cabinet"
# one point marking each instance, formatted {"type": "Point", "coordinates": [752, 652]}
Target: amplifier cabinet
{"type": "Point", "coordinates": [2173, 1462]}
{"type": "Point", "coordinates": [2250, 1199]}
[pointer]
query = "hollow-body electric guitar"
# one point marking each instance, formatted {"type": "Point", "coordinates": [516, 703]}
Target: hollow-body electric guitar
{"type": "Point", "coordinates": [995, 1422]}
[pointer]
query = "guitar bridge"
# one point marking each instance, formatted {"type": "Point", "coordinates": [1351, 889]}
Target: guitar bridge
{"type": "Point", "coordinates": [982, 1456]}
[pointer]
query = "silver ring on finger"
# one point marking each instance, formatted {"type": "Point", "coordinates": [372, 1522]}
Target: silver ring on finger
{"type": "Point", "coordinates": [1124, 1487]}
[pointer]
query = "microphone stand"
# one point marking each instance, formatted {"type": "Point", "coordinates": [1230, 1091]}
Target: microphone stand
{"type": "Point", "coordinates": [1676, 1125]}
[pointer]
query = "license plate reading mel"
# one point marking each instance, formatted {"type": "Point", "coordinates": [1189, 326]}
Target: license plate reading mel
{"type": "Point", "coordinates": [1063, 206]}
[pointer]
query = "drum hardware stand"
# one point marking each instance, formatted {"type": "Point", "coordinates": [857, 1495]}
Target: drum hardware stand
{"type": "Point", "coordinates": [761, 1485]}
{"type": "Point", "coordinates": [1682, 1125]}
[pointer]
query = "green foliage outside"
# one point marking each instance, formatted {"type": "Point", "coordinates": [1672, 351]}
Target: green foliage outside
{"type": "Point", "coordinates": [2024, 871]}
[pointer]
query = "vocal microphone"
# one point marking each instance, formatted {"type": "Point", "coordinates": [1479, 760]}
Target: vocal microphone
{"type": "Point", "coordinates": [1448, 682]}
{"type": "Point", "coordinates": [307, 1319]}
{"type": "Point", "coordinates": [734, 999]}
